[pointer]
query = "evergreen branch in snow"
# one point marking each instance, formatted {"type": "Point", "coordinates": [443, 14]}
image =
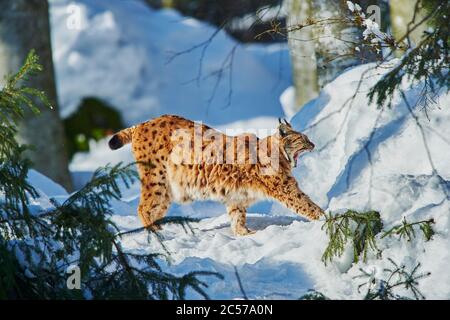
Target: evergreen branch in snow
{"type": "Point", "coordinates": [358, 228]}
{"type": "Point", "coordinates": [185, 222]}
{"type": "Point", "coordinates": [361, 230]}
{"type": "Point", "coordinates": [406, 230]}
{"type": "Point", "coordinates": [396, 277]}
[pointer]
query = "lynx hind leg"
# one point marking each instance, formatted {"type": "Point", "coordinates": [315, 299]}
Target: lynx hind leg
{"type": "Point", "coordinates": [154, 201]}
{"type": "Point", "coordinates": [238, 220]}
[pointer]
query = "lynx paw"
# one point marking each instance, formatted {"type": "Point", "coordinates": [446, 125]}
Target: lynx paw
{"type": "Point", "coordinates": [153, 227]}
{"type": "Point", "coordinates": [243, 231]}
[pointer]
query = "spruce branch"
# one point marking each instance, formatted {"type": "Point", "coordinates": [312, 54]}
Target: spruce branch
{"type": "Point", "coordinates": [15, 94]}
{"type": "Point", "coordinates": [104, 186]}
{"type": "Point", "coordinates": [185, 222]}
{"type": "Point", "coordinates": [358, 228]}
{"type": "Point", "coordinates": [396, 277]}
{"type": "Point", "coordinates": [191, 280]}
{"type": "Point", "coordinates": [15, 98]}
{"type": "Point", "coordinates": [405, 230]}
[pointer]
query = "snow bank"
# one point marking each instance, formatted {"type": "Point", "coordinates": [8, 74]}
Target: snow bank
{"type": "Point", "coordinates": [395, 161]}
{"type": "Point", "coordinates": [44, 185]}
{"type": "Point", "coordinates": [369, 157]}
{"type": "Point", "coordinates": [120, 51]}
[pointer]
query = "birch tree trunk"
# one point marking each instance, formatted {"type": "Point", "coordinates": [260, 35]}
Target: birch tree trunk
{"type": "Point", "coordinates": [334, 41]}
{"type": "Point", "coordinates": [402, 13]}
{"type": "Point", "coordinates": [302, 52]}
{"type": "Point", "coordinates": [24, 25]}
{"type": "Point", "coordinates": [321, 52]}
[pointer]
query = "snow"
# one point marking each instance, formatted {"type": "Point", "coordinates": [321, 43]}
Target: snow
{"type": "Point", "coordinates": [353, 6]}
{"type": "Point", "coordinates": [44, 185]}
{"type": "Point", "coordinates": [372, 30]}
{"type": "Point", "coordinates": [365, 157]}
{"type": "Point", "coordinates": [46, 190]}
{"type": "Point", "coordinates": [287, 100]}
{"type": "Point", "coordinates": [126, 53]}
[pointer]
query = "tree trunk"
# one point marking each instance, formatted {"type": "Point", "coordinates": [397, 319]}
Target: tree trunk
{"type": "Point", "coordinates": [321, 52]}
{"type": "Point", "coordinates": [302, 52]}
{"type": "Point", "coordinates": [24, 25]}
{"type": "Point", "coordinates": [334, 42]}
{"type": "Point", "coordinates": [402, 13]}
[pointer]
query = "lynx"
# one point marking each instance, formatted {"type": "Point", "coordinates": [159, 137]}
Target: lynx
{"type": "Point", "coordinates": [180, 161]}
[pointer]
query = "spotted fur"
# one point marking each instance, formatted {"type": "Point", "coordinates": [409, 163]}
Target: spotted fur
{"type": "Point", "coordinates": [183, 170]}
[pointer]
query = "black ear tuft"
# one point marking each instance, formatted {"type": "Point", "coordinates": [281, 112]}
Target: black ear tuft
{"type": "Point", "coordinates": [115, 142]}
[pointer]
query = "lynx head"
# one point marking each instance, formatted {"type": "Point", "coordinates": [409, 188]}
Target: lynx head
{"type": "Point", "coordinates": [292, 143]}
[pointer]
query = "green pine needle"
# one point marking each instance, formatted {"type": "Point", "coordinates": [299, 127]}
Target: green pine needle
{"type": "Point", "coordinates": [406, 230]}
{"type": "Point", "coordinates": [358, 228]}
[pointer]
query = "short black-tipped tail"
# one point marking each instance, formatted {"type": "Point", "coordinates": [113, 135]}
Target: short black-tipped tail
{"type": "Point", "coordinates": [115, 143]}
{"type": "Point", "coordinates": [121, 138]}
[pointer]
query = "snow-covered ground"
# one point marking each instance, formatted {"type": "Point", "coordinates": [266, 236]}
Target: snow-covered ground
{"type": "Point", "coordinates": [365, 158]}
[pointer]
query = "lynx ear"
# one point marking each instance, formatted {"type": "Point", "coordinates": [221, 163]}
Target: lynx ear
{"type": "Point", "coordinates": [284, 127]}
{"type": "Point", "coordinates": [282, 130]}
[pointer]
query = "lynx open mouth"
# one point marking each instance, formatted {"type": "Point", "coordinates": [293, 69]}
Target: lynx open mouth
{"type": "Point", "coordinates": [299, 152]}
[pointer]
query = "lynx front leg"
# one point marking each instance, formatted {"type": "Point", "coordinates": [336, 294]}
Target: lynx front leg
{"type": "Point", "coordinates": [289, 194]}
{"type": "Point", "coordinates": [238, 220]}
